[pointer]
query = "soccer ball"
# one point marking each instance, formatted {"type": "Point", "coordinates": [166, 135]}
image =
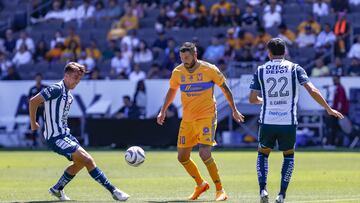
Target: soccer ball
{"type": "Point", "coordinates": [135, 156]}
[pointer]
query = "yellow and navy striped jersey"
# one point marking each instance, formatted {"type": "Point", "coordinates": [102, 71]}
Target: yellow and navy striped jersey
{"type": "Point", "coordinates": [197, 90]}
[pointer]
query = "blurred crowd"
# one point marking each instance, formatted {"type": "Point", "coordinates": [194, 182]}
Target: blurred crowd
{"type": "Point", "coordinates": [247, 31]}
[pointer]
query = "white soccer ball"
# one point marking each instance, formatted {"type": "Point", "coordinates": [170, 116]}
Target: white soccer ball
{"type": "Point", "coordinates": [135, 156]}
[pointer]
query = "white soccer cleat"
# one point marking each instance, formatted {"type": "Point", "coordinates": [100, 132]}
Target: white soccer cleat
{"type": "Point", "coordinates": [280, 199]}
{"type": "Point", "coordinates": [120, 195]}
{"type": "Point", "coordinates": [60, 194]}
{"type": "Point", "coordinates": [264, 196]}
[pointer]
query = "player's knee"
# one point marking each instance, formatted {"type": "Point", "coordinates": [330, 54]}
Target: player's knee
{"type": "Point", "coordinates": [182, 158]}
{"type": "Point", "coordinates": [288, 152]}
{"type": "Point", "coordinates": [264, 150]}
{"type": "Point", "coordinates": [205, 155]}
{"type": "Point", "coordinates": [88, 161]}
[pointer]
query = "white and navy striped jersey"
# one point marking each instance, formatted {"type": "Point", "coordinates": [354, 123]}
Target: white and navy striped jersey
{"type": "Point", "coordinates": [57, 105]}
{"type": "Point", "coordinates": [279, 81]}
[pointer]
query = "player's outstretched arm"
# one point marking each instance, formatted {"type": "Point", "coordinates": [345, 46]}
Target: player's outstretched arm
{"type": "Point", "coordinates": [34, 103]}
{"type": "Point", "coordinates": [228, 94]}
{"type": "Point", "coordinates": [254, 97]}
{"type": "Point", "coordinates": [170, 95]}
{"type": "Point", "coordinates": [316, 95]}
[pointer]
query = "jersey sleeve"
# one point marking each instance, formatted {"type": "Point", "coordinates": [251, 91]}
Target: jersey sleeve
{"type": "Point", "coordinates": [218, 77]}
{"type": "Point", "coordinates": [302, 77]}
{"type": "Point", "coordinates": [51, 92]}
{"type": "Point", "coordinates": [174, 80]}
{"type": "Point", "coordinates": [255, 85]}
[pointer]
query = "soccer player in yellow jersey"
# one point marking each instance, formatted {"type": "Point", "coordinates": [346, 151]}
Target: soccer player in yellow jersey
{"type": "Point", "coordinates": [196, 80]}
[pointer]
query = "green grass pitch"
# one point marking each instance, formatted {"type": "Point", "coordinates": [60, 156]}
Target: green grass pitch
{"type": "Point", "coordinates": [25, 176]}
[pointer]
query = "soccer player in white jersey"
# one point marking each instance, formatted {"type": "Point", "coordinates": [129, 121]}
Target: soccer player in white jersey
{"type": "Point", "coordinates": [278, 81]}
{"type": "Point", "coordinates": [57, 100]}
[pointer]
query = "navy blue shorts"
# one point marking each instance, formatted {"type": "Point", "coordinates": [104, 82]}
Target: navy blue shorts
{"type": "Point", "coordinates": [64, 145]}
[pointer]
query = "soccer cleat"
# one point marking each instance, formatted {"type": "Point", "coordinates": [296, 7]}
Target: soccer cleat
{"type": "Point", "coordinates": [199, 190]}
{"type": "Point", "coordinates": [280, 199]}
{"type": "Point", "coordinates": [264, 196]}
{"type": "Point", "coordinates": [120, 195]}
{"type": "Point", "coordinates": [221, 195]}
{"type": "Point", "coordinates": [60, 194]}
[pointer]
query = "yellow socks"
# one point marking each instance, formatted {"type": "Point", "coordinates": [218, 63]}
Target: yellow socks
{"type": "Point", "coordinates": [213, 171]}
{"type": "Point", "coordinates": [193, 171]}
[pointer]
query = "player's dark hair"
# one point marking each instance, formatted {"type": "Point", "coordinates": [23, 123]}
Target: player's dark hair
{"type": "Point", "coordinates": [74, 67]}
{"type": "Point", "coordinates": [188, 46]}
{"type": "Point", "coordinates": [276, 46]}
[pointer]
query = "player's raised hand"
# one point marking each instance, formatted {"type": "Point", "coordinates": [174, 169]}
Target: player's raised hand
{"type": "Point", "coordinates": [161, 118]}
{"type": "Point", "coordinates": [333, 112]}
{"type": "Point", "coordinates": [35, 126]}
{"type": "Point", "coordinates": [238, 117]}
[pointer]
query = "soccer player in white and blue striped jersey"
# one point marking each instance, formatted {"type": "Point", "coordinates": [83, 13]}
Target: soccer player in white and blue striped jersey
{"type": "Point", "coordinates": [57, 100]}
{"type": "Point", "coordinates": [278, 81]}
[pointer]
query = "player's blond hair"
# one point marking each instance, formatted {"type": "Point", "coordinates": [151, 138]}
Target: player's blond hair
{"type": "Point", "coordinates": [75, 67]}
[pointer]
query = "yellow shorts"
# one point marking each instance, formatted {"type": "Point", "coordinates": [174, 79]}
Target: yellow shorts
{"type": "Point", "coordinates": [197, 132]}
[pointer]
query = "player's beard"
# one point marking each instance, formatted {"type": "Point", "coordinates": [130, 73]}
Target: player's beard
{"type": "Point", "coordinates": [191, 66]}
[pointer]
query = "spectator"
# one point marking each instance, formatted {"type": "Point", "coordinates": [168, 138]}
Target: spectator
{"type": "Point", "coordinates": [131, 40]}
{"type": "Point", "coordinates": [109, 51]}
{"type": "Point", "coordinates": [170, 62]}
{"type": "Point", "coordinates": [326, 38]}
{"type": "Point", "coordinates": [215, 51]}
{"type": "Point", "coordinates": [245, 39]}
{"type": "Point", "coordinates": [92, 51]}
{"type": "Point", "coordinates": [12, 74]}
{"type": "Point", "coordinates": [24, 39]}
{"type": "Point", "coordinates": [272, 17]}
{"type": "Point", "coordinates": [10, 42]}
{"type": "Point", "coordinates": [306, 39]}
{"type": "Point", "coordinates": [128, 110]}
{"type": "Point", "coordinates": [22, 56]}
{"type": "Point", "coordinates": [100, 12]}
{"type": "Point", "coordinates": [286, 34]}
{"type": "Point", "coordinates": [340, 6]}
{"type": "Point", "coordinates": [250, 18]}
{"type": "Point", "coordinates": [199, 48]}
{"type": "Point", "coordinates": [160, 43]}
{"type": "Point", "coordinates": [137, 74]}
{"type": "Point", "coordinates": [72, 52]}
{"type": "Point", "coordinates": [58, 38]}
{"type": "Point", "coordinates": [222, 9]}
{"type": "Point", "coordinates": [120, 64]}
{"type": "Point", "coordinates": [200, 19]}
{"type": "Point", "coordinates": [254, 2]}
{"type": "Point", "coordinates": [355, 49]}
{"type": "Point", "coordinates": [4, 64]}
{"type": "Point", "coordinates": [320, 8]}
{"type": "Point", "coordinates": [34, 90]}
{"type": "Point", "coordinates": [261, 53]}
{"type": "Point", "coordinates": [56, 13]}
{"type": "Point", "coordinates": [72, 37]}
{"type": "Point", "coordinates": [342, 32]}
{"type": "Point", "coordinates": [114, 11]}
{"type": "Point", "coordinates": [341, 104]}
{"type": "Point", "coordinates": [172, 47]}
{"type": "Point", "coordinates": [310, 21]}
{"type": "Point", "coordinates": [338, 69]}
{"type": "Point", "coordinates": [85, 10]}
{"type": "Point", "coordinates": [55, 53]}
{"type": "Point", "coordinates": [87, 61]}
{"type": "Point", "coordinates": [231, 40]}
{"type": "Point", "coordinates": [129, 21]}
{"type": "Point", "coordinates": [275, 5]}
{"type": "Point", "coordinates": [162, 21]}
{"type": "Point", "coordinates": [95, 74]}
{"type": "Point", "coordinates": [40, 51]}
{"type": "Point", "coordinates": [354, 69]}
{"type": "Point", "coordinates": [69, 12]}
{"type": "Point", "coordinates": [143, 54]}
{"type": "Point", "coordinates": [126, 52]}
{"type": "Point", "coordinates": [154, 72]}
{"type": "Point", "coordinates": [263, 37]}
{"type": "Point", "coordinates": [320, 69]}
{"type": "Point", "coordinates": [140, 98]}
